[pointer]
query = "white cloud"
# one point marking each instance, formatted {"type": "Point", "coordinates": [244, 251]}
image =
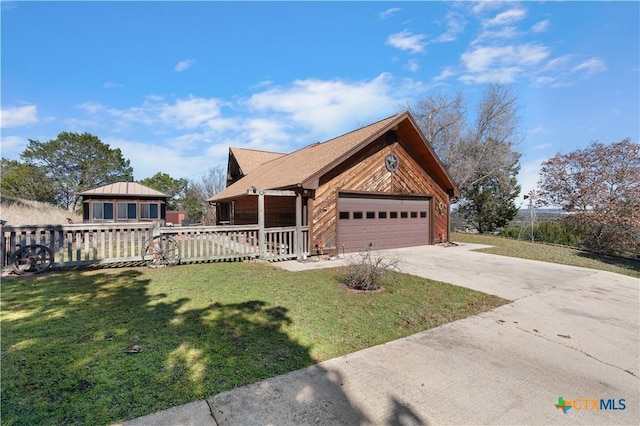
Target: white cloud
{"type": "Point", "coordinates": [563, 70]}
{"type": "Point", "coordinates": [506, 18]}
{"type": "Point", "coordinates": [413, 65]}
{"type": "Point", "coordinates": [12, 146]}
{"type": "Point", "coordinates": [191, 112]}
{"type": "Point", "coordinates": [444, 74]}
{"type": "Point", "coordinates": [184, 65]}
{"type": "Point", "coordinates": [590, 67]}
{"type": "Point", "coordinates": [387, 13]}
{"type": "Point", "coordinates": [455, 25]}
{"type": "Point", "coordinates": [501, 63]}
{"type": "Point", "coordinates": [505, 33]}
{"type": "Point", "coordinates": [323, 106]}
{"type": "Point", "coordinates": [171, 159]}
{"type": "Point", "coordinates": [405, 40]}
{"type": "Point", "coordinates": [20, 116]}
{"type": "Point", "coordinates": [540, 27]}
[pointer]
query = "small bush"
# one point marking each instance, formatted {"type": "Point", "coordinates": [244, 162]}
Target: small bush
{"type": "Point", "coordinates": [366, 272]}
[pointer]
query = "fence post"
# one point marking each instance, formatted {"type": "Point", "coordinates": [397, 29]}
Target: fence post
{"type": "Point", "coordinates": [298, 237]}
{"type": "Point", "coordinates": [261, 243]}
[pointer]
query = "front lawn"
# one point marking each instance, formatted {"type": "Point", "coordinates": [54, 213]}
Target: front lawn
{"type": "Point", "coordinates": [98, 347]}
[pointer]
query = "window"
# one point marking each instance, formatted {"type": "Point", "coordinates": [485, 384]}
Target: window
{"type": "Point", "coordinates": [423, 215]}
{"type": "Point", "coordinates": [371, 215]}
{"type": "Point", "coordinates": [344, 215]}
{"type": "Point", "coordinates": [357, 215]}
{"type": "Point", "coordinates": [414, 215]}
{"type": "Point", "coordinates": [382, 215]}
{"type": "Point", "coordinates": [404, 215]}
{"type": "Point", "coordinates": [149, 211]}
{"type": "Point", "coordinates": [393, 215]}
{"type": "Point", "coordinates": [103, 211]}
{"type": "Point", "coordinates": [127, 211]}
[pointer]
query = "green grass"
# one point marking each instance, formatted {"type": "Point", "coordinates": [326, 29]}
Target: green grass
{"type": "Point", "coordinates": [550, 253]}
{"type": "Point", "coordinates": [203, 329]}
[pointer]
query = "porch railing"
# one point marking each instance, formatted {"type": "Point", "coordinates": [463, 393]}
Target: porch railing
{"type": "Point", "coordinates": [97, 244]}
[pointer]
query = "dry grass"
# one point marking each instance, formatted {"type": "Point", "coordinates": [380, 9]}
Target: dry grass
{"type": "Point", "coordinates": [16, 211]}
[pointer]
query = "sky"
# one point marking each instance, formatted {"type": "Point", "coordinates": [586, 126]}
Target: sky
{"type": "Point", "coordinates": [174, 84]}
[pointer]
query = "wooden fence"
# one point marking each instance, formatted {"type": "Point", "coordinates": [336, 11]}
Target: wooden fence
{"type": "Point", "coordinates": [124, 243]}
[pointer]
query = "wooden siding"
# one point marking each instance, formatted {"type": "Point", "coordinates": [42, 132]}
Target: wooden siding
{"type": "Point", "coordinates": [369, 174]}
{"type": "Point", "coordinates": [280, 211]}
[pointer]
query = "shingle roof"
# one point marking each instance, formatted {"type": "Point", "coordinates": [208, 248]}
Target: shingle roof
{"type": "Point", "coordinates": [125, 188]}
{"type": "Point", "coordinates": [251, 159]}
{"type": "Point", "coordinates": [295, 168]}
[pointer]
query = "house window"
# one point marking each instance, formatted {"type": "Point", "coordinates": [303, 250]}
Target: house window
{"type": "Point", "coordinates": [371, 215]}
{"type": "Point", "coordinates": [103, 211]}
{"type": "Point", "coordinates": [393, 215]}
{"type": "Point", "coordinates": [382, 215]}
{"type": "Point", "coordinates": [149, 211]}
{"type": "Point", "coordinates": [357, 215]}
{"type": "Point", "coordinates": [127, 211]}
{"type": "Point", "coordinates": [404, 215]}
{"type": "Point", "coordinates": [344, 215]}
{"type": "Point", "coordinates": [414, 215]}
{"type": "Point", "coordinates": [423, 214]}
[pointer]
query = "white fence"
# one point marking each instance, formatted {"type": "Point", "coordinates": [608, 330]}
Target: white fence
{"type": "Point", "coordinates": [97, 244]}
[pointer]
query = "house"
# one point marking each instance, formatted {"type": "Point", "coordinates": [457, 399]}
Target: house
{"type": "Point", "coordinates": [379, 186]}
{"type": "Point", "coordinates": [123, 202]}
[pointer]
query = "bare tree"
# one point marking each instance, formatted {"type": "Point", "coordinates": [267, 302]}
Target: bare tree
{"type": "Point", "coordinates": [480, 155]}
{"type": "Point", "coordinates": [601, 186]}
{"type": "Point", "coordinates": [196, 206]}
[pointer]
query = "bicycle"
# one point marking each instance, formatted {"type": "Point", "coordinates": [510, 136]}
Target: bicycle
{"type": "Point", "coordinates": [161, 251]}
{"type": "Point", "coordinates": [31, 259]}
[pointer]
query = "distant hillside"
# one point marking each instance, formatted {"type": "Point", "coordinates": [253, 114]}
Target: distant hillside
{"type": "Point", "coordinates": [17, 211]}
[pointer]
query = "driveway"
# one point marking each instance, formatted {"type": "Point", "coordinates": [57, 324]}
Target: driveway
{"type": "Point", "coordinates": [569, 332]}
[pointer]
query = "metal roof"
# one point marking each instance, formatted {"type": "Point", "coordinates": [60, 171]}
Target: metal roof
{"type": "Point", "coordinates": [130, 189]}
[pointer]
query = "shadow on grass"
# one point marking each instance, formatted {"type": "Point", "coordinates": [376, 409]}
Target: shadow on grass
{"type": "Point", "coordinates": [99, 348]}
{"type": "Point", "coordinates": [627, 263]}
{"type": "Point", "coordinates": [96, 348]}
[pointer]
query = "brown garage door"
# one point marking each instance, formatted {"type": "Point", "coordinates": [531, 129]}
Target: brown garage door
{"type": "Point", "coordinates": [383, 222]}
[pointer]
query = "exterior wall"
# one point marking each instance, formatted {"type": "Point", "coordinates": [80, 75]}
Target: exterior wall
{"type": "Point", "coordinates": [369, 174]}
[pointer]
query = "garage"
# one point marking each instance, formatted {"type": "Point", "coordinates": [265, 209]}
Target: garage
{"type": "Point", "coordinates": [382, 221]}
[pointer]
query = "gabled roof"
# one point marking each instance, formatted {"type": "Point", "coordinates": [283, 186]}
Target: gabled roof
{"type": "Point", "coordinates": [249, 159]}
{"type": "Point", "coordinates": [128, 189]}
{"type": "Point", "coordinates": [304, 167]}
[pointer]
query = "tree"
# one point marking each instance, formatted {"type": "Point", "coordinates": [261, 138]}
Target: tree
{"type": "Point", "coordinates": [601, 186]}
{"type": "Point", "coordinates": [175, 188]}
{"type": "Point", "coordinates": [195, 202]}
{"type": "Point", "coordinates": [480, 156]}
{"type": "Point", "coordinates": [74, 163]}
{"type": "Point", "coordinates": [25, 181]}
{"type": "Point", "coordinates": [488, 204]}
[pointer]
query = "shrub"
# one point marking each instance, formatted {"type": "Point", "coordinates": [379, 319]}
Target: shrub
{"type": "Point", "coordinates": [366, 271]}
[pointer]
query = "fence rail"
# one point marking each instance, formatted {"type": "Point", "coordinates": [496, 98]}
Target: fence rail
{"type": "Point", "coordinates": [98, 244]}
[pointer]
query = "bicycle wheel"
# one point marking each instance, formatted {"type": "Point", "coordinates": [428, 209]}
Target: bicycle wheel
{"type": "Point", "coordinates": [31, 259]}
{"type": "Point", "coordinates": [161, 251]}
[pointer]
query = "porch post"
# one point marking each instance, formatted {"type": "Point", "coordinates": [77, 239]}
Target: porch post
{"type": "Point", "coordinates": [261, 224]}
{"type": "Point", "coordinates": [299, 226]}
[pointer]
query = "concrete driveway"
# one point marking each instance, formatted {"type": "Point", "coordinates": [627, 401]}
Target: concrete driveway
{"type": "Point", "coordinates": [569, 332]}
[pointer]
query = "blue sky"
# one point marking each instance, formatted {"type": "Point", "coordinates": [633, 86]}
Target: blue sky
{"type": "Point", "coordinates": [174, 84]}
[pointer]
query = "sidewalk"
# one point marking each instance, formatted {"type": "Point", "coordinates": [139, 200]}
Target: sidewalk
{"type": "Point", "coordinates": [570, 332]}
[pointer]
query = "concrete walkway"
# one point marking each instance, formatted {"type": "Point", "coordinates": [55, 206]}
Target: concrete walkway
{"type": "Point", "coordinates": [569, 332]}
